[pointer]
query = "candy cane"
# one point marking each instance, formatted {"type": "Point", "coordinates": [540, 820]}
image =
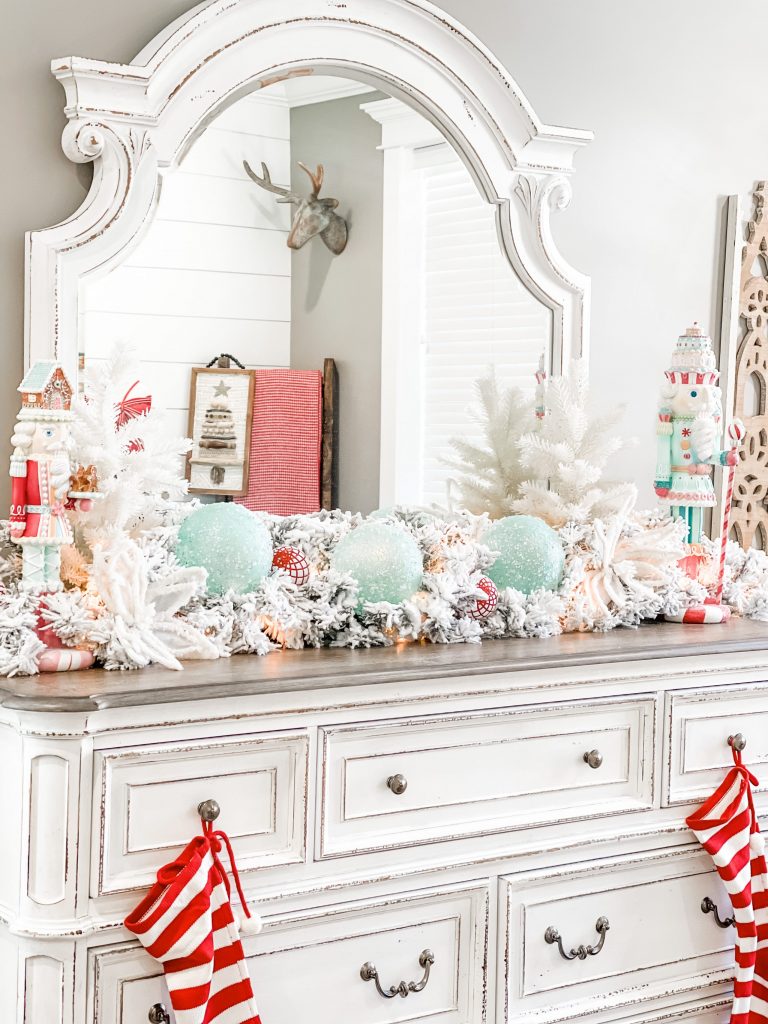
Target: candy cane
{"type": "Point", "coordinates": [736, 434]}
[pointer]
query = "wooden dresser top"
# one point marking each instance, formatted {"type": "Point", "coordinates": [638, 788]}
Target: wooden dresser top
{"type": "Point", "coordinates": [293, 671]}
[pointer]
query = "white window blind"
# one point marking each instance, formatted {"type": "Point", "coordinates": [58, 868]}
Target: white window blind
{"type": "Point", "coordinates": [474, 312]}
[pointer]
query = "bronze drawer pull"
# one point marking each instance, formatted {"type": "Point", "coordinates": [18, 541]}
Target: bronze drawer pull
{"type": "Point", "coordinates": [208, 810]}
{"type": "Point", "coordinates": [552, 936]}
{"type": "Point", "coordinates": [738, 742]}
{"type": "Point", "coordinates": [368, 972]}
{"type": "Point", "coordinates": [593, 758]}
{"type": "Point", "coordinates": [159, 1015]}
{"type": "Point", "coordinates": [397, 784]}
{"type": "Point", "coordinates": [709, 906]}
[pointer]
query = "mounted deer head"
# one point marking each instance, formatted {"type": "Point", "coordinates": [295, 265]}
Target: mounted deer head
{"type": "Point", "coordinates": [314, 216]}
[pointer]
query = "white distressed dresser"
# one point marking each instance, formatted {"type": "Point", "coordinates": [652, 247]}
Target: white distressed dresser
{"type": "Point", "coordinates": [440, 813]}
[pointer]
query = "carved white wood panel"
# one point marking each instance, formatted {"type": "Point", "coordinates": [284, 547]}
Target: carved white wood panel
{"type": "Point", "coordinates": [50, 787]}
{"type": "Point", "coordinates": [49, 792]}
{"type": "Point", "coordinates": [13, 797]}
{"type": "Point", "coordinates": [133, 121]}
{"type": "Point", "coordinates": [10, 978]}
{"type": "Point", "coordinates": [476, 774]}
{"type": "Point", "coordinates": [659, 944]}
{"type": "Point", "coordinates": [147, 798]}
{"type": "Point", "coordinates": [44, 990]}
{"type": "Point", "coordinates": [698, 753]}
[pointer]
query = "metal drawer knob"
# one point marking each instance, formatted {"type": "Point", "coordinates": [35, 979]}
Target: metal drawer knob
{"type": "Point", "coordinates": [368, 972]}
{"type": "Point", "coordinates": [593, 758]}
{"type": "Point", "coordinates": [552, 936]}
{"type": "Point", "coordinates": [159, 1015]}
{"type": "Point", "coordinates": [208, 810]}
{"type": "Point", "coordinates": [398, 784]}
{"type": "Point", "coordinates": [738, 742]}
{"type": "Point", "coordinates": [709, 906]}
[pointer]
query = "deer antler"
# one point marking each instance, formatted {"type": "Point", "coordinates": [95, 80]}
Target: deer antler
{"type": "Point", "coordinates": [316, 178]}
{"type": "Point", "coordinates": [265, 182]}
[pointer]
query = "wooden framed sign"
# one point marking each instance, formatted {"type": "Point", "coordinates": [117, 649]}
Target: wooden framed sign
{"type": "Point", "coordinates": [220, 411]}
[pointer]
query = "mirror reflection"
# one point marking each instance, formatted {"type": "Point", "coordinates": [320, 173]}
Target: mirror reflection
{"type": "Point", "coordinates": [317, 231]}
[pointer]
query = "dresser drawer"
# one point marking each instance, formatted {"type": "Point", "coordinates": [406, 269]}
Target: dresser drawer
{"type": "Point", "coordinates": [147, 798]}
{"type": "Point", "coordinates": [474, 774]}
{"type": "Point", "coordinates": [698, 754]}
{"type": "Point", "coordinates": [307, 967]}
{"type": "Point", "coordinates": [659, 944]}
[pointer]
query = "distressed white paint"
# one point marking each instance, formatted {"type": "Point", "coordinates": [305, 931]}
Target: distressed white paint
{"type": "Point", "coordinates": [460, 783]}
{"type": "Point", "coordinates": [135, 122]}
{"type": "Point", "coordinates": [499, 802]}
{"type": "Point", "coordinates": [651, 945]}
{"type": "Point", "coordinates": [260, 779]}
{"type": "Point", "coordinates": [697, 756]}
{"type": "Point", "coordinates": [43, 990]}
{"type": "Point", "coordinates": [49, 798]}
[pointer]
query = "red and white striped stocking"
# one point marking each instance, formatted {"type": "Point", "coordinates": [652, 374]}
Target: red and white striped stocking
{"type": "Point", "coordinates": [186, 922]}
{"type": "Point", "coordinates": [726, 826]}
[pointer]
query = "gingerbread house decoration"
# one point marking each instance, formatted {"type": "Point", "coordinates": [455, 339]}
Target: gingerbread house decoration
{"type": "Point", "coordinates": [45, 386]}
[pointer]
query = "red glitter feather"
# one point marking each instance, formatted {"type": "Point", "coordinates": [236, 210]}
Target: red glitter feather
{"type": "Point", "coordinates": [131, 409]}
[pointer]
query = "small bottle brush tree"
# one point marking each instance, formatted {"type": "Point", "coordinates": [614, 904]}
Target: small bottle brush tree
{"type": "Point", "coordinates": [566, 456]}
{"type": "Point", "coordinates": [489, 474]}
{"type": "Point", "coordinates": [550, 467]}
{"type": "Point", "coordinates": [139, 462]}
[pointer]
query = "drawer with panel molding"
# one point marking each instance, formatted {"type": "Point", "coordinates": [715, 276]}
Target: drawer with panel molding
{"type": "Point", "coordinates": [336, 963]}
{"type": "Point", "coordinates": [602, 936]}
{"type": "Point", "coordinates": [701, 726]}
{"type": "Point", "coordinates": [713, 1010]}
{"type": "Point", "coordinates": [400, 783]}
{"type": "Point", "coordinates": [146, 804]}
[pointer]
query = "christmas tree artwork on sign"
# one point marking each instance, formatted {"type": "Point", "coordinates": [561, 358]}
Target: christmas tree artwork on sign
{"type": "Point", "coordinates": [220, 425]}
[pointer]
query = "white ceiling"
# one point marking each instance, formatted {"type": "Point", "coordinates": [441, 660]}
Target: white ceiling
{"type": "Point", "coordinates": [311, 88]}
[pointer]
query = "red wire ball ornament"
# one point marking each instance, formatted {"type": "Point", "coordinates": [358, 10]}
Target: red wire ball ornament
{"type": "Point", "coordinates": [485, 605]}
{"type": "Point", "coordinates": [293, 562]}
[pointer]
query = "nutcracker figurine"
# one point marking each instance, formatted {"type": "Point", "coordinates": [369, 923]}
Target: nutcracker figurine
{"type": "Point", "coordinates": [43, 489]}
{"type": "Point", "coordinates": [689, 430]}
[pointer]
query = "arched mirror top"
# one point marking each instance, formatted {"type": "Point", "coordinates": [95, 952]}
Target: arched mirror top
{"type": "Point", "coordinates": [135, 121]}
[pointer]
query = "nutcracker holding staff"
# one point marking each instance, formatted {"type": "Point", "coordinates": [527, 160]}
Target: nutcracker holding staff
{"type": "Point", "coordinates": [689, 430]}
{"type": "Point", "coordinates": [44, 489]}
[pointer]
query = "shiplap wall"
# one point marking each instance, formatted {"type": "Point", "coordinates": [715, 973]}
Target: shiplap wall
{"type": "Point", "coordinates": [213, 272]}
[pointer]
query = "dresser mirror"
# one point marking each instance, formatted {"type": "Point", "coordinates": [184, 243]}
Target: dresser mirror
{"type": "Point", "coordinates": [213, 272]}
{"type": "Point", "coordinates": [372, 206]}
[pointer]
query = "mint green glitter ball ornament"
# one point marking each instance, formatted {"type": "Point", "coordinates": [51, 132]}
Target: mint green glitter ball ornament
{"type": "Point", "coordinates": [531, 556]}
{"type": "Point", "coordinates": [384, 561]}
{"type": "Point", "coordinates": [230, 542]}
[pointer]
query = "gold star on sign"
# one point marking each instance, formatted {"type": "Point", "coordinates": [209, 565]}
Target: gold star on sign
{"type": "Point", "coordinates": [222, 390]}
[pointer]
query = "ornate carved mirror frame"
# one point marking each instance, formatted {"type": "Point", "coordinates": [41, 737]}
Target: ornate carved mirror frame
{"type": "Point", "coordinates": [134, 121]}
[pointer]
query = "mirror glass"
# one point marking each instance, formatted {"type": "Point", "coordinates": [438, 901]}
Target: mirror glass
{"type": "Point", "coordinates": [420, 302]}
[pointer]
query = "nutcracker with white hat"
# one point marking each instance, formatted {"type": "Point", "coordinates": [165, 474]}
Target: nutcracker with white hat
{"type": "Point", "coordinates": [44, 489]}
{"type": "Point", "coordinates": [689, 433]}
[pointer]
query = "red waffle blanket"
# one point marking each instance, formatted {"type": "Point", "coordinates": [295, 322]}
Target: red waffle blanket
{"type": "Point", "coordinates": [286, 433]}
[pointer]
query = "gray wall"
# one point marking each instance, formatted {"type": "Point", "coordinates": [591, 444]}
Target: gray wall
{"type": "Point", "coordinates": [673, 91]}
{"type": "Point", "coordinates": [336, 300]}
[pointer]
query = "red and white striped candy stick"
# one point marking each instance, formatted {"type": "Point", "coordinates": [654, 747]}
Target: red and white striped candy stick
{"type": "Point", "coordinates": [736, 434]}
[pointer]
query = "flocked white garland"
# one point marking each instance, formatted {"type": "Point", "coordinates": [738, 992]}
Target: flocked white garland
{"type": "Point", "coordinates": [129, 601]}
{"type": "Point", "coordinates": [153, 611]}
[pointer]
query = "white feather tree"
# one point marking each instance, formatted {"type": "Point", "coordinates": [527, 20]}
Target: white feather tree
{"type": "Point", "coordinates": [489, 474]}
{"type": "Point", "coordinates": [566, 455]}
{"type": "Point", "coordinates": [138, 461]}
